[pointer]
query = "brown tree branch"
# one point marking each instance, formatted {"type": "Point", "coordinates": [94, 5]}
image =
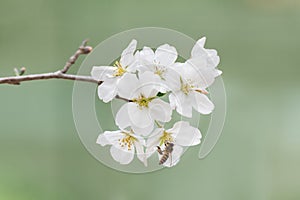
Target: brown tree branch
{"type": "Point", "coordinates": [16, 80]}
{"type": "Point", "coordinates": [60, 74]}
{"type": "Point", "coordinates": [83, 49]}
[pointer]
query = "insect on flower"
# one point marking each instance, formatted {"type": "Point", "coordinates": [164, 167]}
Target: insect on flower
{"type": "Point", "coordinates": [166, 153]}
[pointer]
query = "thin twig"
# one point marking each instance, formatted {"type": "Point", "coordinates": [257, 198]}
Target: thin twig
{"type": "Point", "coordinates": [83, 49]}
{"type": "Point", "coordinates": [60, 74]}
{"type": "Point", "coordinates": [52, 75]}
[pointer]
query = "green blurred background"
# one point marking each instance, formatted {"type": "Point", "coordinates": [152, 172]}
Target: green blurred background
{"type": "Point", "coordinates": [258, 154]}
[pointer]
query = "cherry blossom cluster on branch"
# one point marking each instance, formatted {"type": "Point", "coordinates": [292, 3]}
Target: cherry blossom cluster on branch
{"type": "Point", "coordinates": [154, 84]}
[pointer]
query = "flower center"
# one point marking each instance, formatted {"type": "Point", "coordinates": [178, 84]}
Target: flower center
{"type": "Point", "coordinates": [186, 87]}
{"type": "Point", "coordinates": [166, 137]}
{"type": "Point", "coordinates": [142, 101]}
{"type": "Point", "coordinates": [159, 71]}
{"type": "Point", "coordinates": [120, 70]}
{"type": "Point", "coordinates": [127, 141]}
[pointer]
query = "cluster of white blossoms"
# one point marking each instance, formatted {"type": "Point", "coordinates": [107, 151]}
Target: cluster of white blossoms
{"type": "Point", "coordinates": [144, 79]}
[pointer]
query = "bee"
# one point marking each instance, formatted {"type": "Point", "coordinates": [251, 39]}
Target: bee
{"type": "Point", "coordinates": [166, 153]}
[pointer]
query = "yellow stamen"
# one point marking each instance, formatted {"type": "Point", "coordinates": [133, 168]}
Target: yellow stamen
{"type": "Point", "coordinates": [159, 71]}
{"type": "Point", "coordinates": [120, 69]}
{"type": "Point", "coordinates": [128, 141]}
{"type": "Point", "coordinates": [142, 101]}
{"type": "Point", "coordinates": [165, 137]}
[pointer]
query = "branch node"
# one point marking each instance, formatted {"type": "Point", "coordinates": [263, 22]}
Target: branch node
{"type": "Point", "coordinates": [82, 49]}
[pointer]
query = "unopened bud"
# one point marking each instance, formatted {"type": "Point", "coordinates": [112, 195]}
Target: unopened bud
{"type": "Point", "coordinates": [22, 71]}
{"type": "Point", "coordinates": [87, 49]}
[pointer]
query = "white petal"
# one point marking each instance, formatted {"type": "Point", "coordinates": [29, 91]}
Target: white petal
{"type": "Point", "coordinates": [182, 103]}
{"type": "Point", "coordinates": [149, 84]}
{"type": "Point", "coordinates": [198, 49]}
{"type": "Point", "coordinates": [122, 155]}
{"type": "Point", "coordinates": [201, 103]}
{"type": "Point", "coordinates": [200, 73]}
{"type": "Point", "coordinates": [172, 79]}
{"type": "Point", "coordinates": [139, 117]}
{"type": "Point", "coordinates": [165, 55]}
{"type": "Point", "coordinates": [143, 131]}
{"type": "Point", "coordinates": [184, 134]}
{"type": "Point", "coordinates": [153, 141]}
{"type": "Point", "coordinates": [160, 110]}
{"type": "Point", "coordinates": [175, 156]}
{"type": "Point", "coordinates": [122, 117]}
{"type": "Point", "coordinates": [127, 86]}
{"type": "Point", "coordinates": [146, 55]}
{"type": "Point", "coordinates": [112, 137]}
{"type": "Point", "coordinates": [173, 101]}
{"type": "Point", "coordinates": [154, 138]}
{"type": "Point", "coordinates": [139, 65]}
{"type": "Point", "coordinates": [140, 153]}
{"type": "Point", "coordinates": [127, 55]}
{"type": "Point", "coordinates": [108, 90]}
{"type": "Point", "coordinates": [217, 72]}
{"type": "Point", "coordinates": [102, 140]}
{"type": "Point", "coordinates": [201, 42]}
{"type": "Point", "coordinates": [213, 58]}
{"type": "Point", "coordinates": [102, 72]}
{"type": "Point", "coordinates": [210, 55]}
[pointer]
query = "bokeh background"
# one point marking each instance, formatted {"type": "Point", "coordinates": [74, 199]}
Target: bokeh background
{"type": "Point", "coordinates": [258, 154]}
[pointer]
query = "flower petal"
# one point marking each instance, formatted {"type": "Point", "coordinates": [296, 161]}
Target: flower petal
{"type": "Point", "coordinates": [182, 103]}
{"type": "Point", "coordinates": [153, 141]}
{"type": "Point", "coordinates": [102, 140]}
{"type": "Point", "coordinates": [198, 49]}
{"type": "Point", "coordinates": [122, 155]}
{"type": "Point", "coordinates": [201, 42]}
{"type": "Point", "coordinates": [146, 56]}
{"type": "Point", "coordinates": [111, 137]}
{"type": "Point", "coordinates": [139, 117]}
{"type": "Point", "coordinates": [143, 131]}
{"type": "Point", "coordinates": [108, 90]}
{"type": "Point", "coordinates": [200, 73]}
{"type": "Point", "coordinates": [160, 110]}
{"type": "Point", "coordinates": [122, 117]}
{"type": "Point", "coordinates": [184, 134]}
{"type": "Point", "coordinates": [128, 85]}
{"type": "Point", "coordinates": [140, 153]}
{"type": "Point", "coordinates": [201, 103]}
{"type": "Point", "coordinates": [210, 55]}
{"type": "Point", "coordinates": [165, 55]}
{"type": "Point", "coordinates": [172, 79]}
{"type": "Point", "coordinates": [218, 73]}
{"type": "Point", "coordinates": [127, 56]}
{"type": "Point", "coordinates": [149, 84]}
{"type": "Point", "coordinates": [101, 73]}
{"type": "Point", "coordinates": [213, 58]}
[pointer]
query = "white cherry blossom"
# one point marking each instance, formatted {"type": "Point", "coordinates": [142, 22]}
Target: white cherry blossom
{"type": "Point", "coordinates": [181, 135]}
{"type": "Point", "coordinates": [124, 144]}
{"type": "Point", "coordinates": [112, 75]}
{"type": "Point", "coordinates": [144, 106]}
{"type": "Point", "coordinates": [191, 90]}
{"type": "Point", "coordinates": [209, 55]}
{"type": "Point", "coordinates": [139, 78]}
{"type": "Point", "coordinates": [159, 63]}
